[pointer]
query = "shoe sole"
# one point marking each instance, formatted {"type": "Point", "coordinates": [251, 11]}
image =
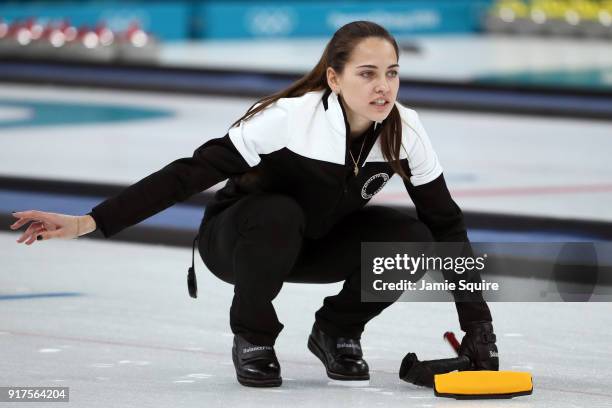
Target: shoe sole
{"type": "Point", "coordinates": [251, 382]}
{"type": "Point", "coordinates": [317, 351]}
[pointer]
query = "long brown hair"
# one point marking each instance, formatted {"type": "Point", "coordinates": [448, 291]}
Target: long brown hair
{"type": "Point", "coordinates": [336, 54]}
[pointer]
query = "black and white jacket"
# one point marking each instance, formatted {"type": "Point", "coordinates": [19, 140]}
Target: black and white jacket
{"type": "Point", "coordinates": [299, 147]}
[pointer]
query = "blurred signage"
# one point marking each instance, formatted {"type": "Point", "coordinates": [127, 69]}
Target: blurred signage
{"type": "Point", "coordinates": [320, 19]}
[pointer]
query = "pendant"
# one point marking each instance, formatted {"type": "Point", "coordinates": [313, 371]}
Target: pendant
{"type": "Point", "coordinates": [356, 170]}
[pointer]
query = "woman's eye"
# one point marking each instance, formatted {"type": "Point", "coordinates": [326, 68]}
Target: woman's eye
{"type": "Point", "coordinates": [369, 74]}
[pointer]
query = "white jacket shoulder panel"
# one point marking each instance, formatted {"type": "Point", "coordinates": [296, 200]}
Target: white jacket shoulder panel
{"type": "Point", "coordinates": [316, 133]}
{"type": "Point", "coordinates": [417, 148]}
{"type": "Point", "coordinates": [300, 124]}
{"type": "Point", "coordinates": [264, 133]}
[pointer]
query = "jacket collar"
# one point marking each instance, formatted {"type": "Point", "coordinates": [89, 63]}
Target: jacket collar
{"type": "Point", "coordinates": [336, 115]}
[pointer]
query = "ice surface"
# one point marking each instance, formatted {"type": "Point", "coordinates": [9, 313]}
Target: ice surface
{"type": "Point", "coordinates": [131, 336]}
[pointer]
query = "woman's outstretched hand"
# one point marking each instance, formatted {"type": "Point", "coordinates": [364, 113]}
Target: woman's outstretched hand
{"type": "Point", "coordinates": [46, 225]}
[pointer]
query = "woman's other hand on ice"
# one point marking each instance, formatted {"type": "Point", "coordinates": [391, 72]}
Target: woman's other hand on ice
{"type": "Point", "coordinates": [46, 225]}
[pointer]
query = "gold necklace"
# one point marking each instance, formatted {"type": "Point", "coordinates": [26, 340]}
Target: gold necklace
{"type": "Point", "coordinates": [356, 168]}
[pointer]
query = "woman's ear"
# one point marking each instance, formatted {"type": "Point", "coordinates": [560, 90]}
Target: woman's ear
{"type": "Point", "coordinates": [332, 80]}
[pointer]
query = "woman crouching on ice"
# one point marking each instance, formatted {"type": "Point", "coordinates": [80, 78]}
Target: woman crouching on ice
{"type": "Point", "coordinates": [301, 166]}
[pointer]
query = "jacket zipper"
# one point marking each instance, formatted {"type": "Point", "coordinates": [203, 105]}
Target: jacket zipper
{"type": "Point", "coordinates": [347, 175]}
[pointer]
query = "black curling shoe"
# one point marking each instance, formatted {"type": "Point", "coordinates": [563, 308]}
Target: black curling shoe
{"type": "Point", "coordinates": [256, 366]}
{"type": "Point", "coordinates": [342, 357]}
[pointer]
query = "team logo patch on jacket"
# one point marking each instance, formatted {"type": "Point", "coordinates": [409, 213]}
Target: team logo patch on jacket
{"type": "Point", "coordinates": [373, 185]}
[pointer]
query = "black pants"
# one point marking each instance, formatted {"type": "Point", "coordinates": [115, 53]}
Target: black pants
{"type": "Point", "coordinates": [257, 244]}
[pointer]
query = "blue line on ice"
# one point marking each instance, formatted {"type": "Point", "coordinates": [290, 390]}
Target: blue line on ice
{"type": "Point", "coordinates": [39, 295]}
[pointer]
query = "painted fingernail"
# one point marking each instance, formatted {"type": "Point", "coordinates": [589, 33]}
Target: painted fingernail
{"type": "Point", "coordinates": [39, 238]}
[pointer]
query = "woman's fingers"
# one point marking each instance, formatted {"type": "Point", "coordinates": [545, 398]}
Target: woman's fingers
{"type": "Point", "coordinates": [34, 236]}
{"type": "Point", "coordinates": [23, 217]}
{"type": "Point", "coordinates": [42, 236]}
{"type": "Point", "coordinates": [29, 214]}
{"type": "Point", "coordinates": [17, 224]}
{"type": "Point", "coordinates": [44, 225]}
{"type": "Point", "coordinates": [49, 219]}
{"type": "Point", "coordinates": [34, 227]}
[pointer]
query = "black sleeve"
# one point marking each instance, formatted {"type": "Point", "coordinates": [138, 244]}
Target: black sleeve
{"type": "Point", "coordinates": [211, 163]}
{"type": "Point", "coordinates": [436, 209]}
